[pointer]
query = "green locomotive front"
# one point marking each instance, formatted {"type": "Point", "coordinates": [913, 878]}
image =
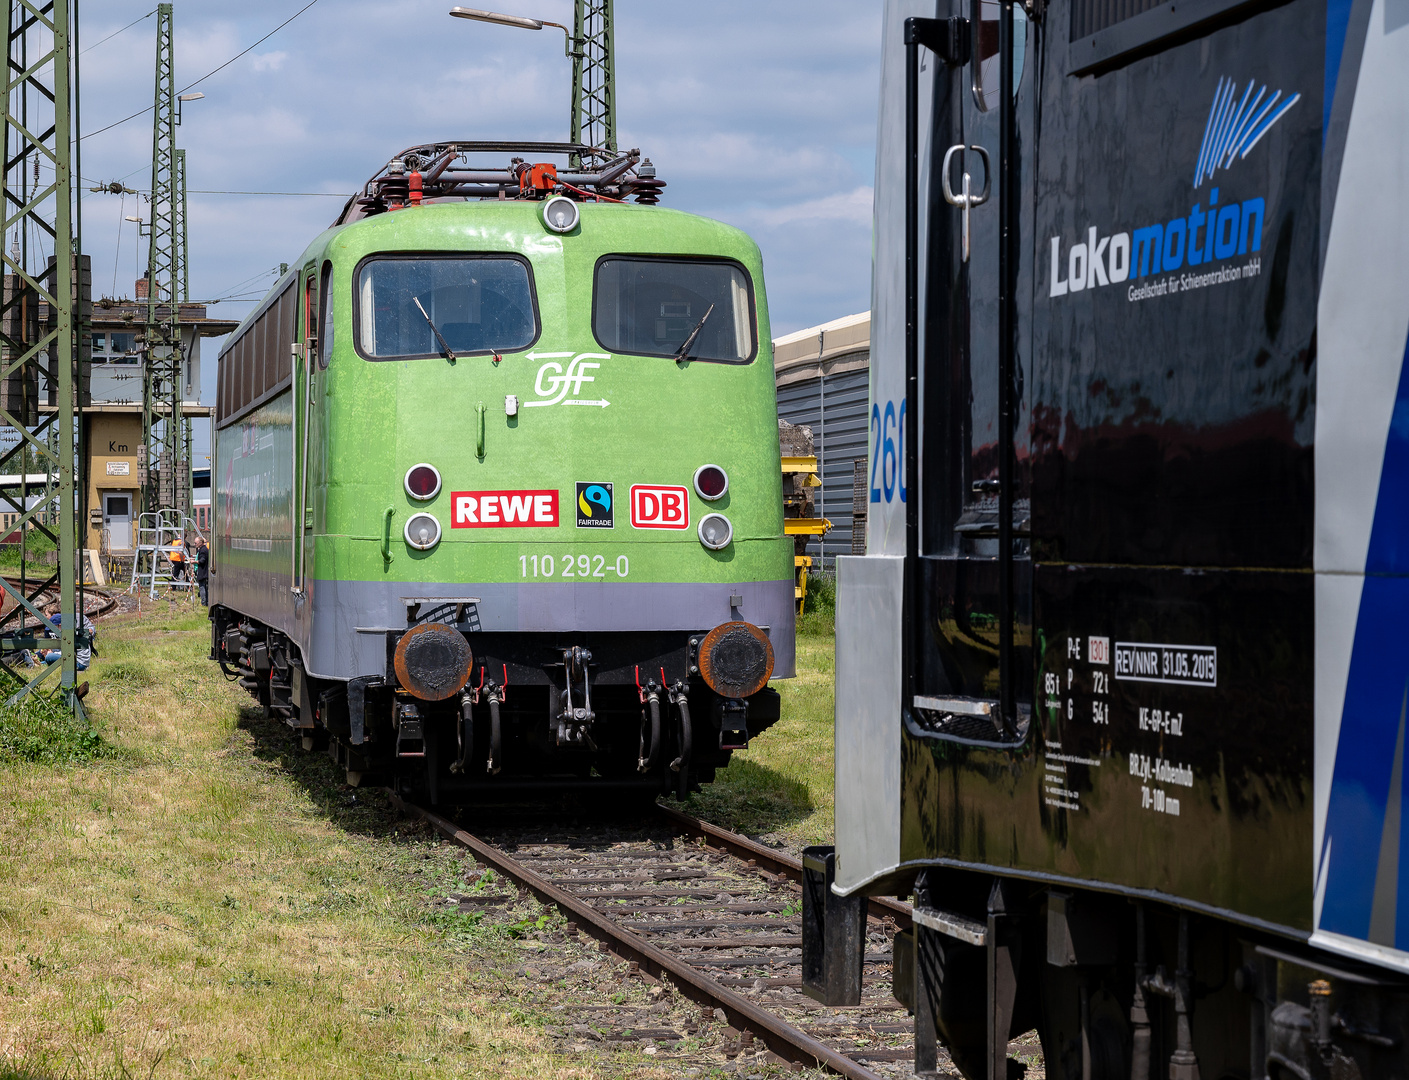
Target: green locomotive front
{"type": "Point", "coordinates": [497, 490]}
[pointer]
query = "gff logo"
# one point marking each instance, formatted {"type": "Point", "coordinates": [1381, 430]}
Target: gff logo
{"type": "Point", "coordinates": [559, 386]}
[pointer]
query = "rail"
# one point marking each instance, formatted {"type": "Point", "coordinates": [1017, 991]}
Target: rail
{"type": "Point", "coordinates": [778, 861]}
{"type": "Point", "coordinates": [571, 879]}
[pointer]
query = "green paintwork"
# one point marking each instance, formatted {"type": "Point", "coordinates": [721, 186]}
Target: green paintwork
{"type": "Point", "coordinates": [371, 421]}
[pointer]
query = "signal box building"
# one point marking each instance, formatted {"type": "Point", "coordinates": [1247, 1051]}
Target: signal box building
{"type": "Point", "coordinates": [113, 419]}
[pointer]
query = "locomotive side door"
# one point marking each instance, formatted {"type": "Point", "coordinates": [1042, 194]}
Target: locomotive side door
{"type": "Point", "coordinates": [305, 380]}
{"type": "Point", "coordinates": [970, 603]}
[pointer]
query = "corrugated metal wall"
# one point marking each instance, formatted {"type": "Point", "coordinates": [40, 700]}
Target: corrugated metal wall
{"type": "Point", "coordinates": [834, 407]}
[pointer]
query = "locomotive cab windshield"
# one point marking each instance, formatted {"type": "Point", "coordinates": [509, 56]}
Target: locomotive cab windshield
{"type": "Point", "coordinates": [651, 307]}
{"type": "Point", "coordinates": [476, 303]}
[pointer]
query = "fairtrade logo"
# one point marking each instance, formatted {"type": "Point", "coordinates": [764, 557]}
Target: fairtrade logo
{"type": "Point", "coordinates": [563, 386]}
{"type": "Point", "coordinates": [594, 505]}
{"type": "Point", "coordinates": [656, 506]}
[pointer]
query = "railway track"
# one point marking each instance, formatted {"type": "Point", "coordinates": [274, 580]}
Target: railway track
{"type": "Point", "coordinates": [719, 916]}
{"type": "Point", "coordinates": [97, 602]}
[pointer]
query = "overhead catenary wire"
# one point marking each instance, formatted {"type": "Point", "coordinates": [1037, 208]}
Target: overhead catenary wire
{"type": "Point", "coordinates": [208, 74]}
{"type": "Point", "coordinates": [322, 194]}
{"type": "Point", "coordinates": [115, 33]}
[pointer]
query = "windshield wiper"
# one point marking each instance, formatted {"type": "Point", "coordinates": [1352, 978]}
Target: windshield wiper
{"type": "Point", "coordinates": [444, 345]}
{"type": "Point", "coordinates": [684, 349]}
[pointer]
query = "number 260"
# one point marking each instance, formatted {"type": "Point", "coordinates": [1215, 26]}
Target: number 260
{"type": "Point", "coordinates": [887, 429]}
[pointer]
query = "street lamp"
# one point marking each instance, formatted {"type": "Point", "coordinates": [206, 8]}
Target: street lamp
{"type": "Point", "coordinates": [513, 20]}
{"type": "Point", "coordinates": [186, 97]}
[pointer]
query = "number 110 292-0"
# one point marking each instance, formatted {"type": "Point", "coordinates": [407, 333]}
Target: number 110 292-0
{"type": "Point", "coordinates": [573, 566]}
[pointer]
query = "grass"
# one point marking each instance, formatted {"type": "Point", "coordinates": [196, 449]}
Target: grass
{"type": "Point", "coordinates": [40, 729]}
{"type": "Point", "coordinates": [39, 560]}
{"type": "Point", "coordinates": [184, 893]}
{"type": "Point", "coordinates": [819, 613]}
{"type": "Point", "coordinates": [179, 900]}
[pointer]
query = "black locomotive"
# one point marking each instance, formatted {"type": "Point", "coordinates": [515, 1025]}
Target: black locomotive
{"type": "Point", "coordinates": [1122, 678]}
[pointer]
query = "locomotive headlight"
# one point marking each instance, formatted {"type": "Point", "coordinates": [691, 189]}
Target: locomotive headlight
{"type": "Point", "coordinates": [711, 482]}
{"type": "Point", "coordinates": [736, 659]}
{"type": "Point", "coordinates": [560, 214]}
{"type": "Point", "coordinates": [422, 482]}
{"type": "Point", "coordinates": [422, 531]}
{"type": "Point", "coordinates": [715, 531]}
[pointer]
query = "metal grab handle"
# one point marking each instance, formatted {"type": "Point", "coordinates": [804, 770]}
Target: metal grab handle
{"type": "Point", "coordinates": [966, 199]}
{"type": "Point", "coordinates": [479, 430]}
{"type": "Point", "coordinates": [386, 533]}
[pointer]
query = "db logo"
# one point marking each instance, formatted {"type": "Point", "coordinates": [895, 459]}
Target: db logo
{"type": "Point", "coordinates": [655, 506]}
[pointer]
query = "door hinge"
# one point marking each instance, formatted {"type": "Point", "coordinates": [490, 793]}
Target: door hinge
{"type": "Point", "coordinates": [949, 39]}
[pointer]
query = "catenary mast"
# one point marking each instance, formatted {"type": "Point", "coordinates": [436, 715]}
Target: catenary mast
{"type": "Point", "coordinates": [162, 352]}
{"type": "Point", "coordinates": [594, 75]}
{"type": "Point", "coordinates": [37, 314]}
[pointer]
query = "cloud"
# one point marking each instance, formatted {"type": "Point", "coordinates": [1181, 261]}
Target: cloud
{"type": "Point", "coordinates": [852, 207]}
{"type": "Point", "coordinates": [759, 114]}
{"type": "Point", "coordinates": [272, 61]}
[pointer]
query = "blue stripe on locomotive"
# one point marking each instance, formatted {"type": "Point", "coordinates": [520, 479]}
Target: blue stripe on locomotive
{"type": "Point", "coordinates": [1364, 840]}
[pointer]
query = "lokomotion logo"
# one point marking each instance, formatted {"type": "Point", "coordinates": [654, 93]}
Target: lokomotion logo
{"type": "Point", "coordinates": [594, 505]}
{"type": "Point", "coordinates": [1202, 238]}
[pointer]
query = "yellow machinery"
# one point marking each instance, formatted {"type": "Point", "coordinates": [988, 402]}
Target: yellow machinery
{"type": "Point", "coordinates": [799, 478]}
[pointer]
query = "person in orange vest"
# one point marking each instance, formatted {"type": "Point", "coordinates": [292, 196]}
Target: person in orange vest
{"type": "Point", "coordinates": [177, 555]}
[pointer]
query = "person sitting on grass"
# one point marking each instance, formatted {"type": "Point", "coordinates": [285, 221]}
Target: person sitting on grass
{"type": "Point", "coordinates": [83, 642]}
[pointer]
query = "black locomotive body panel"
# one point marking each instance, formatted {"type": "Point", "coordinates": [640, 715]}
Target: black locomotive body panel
{"type": "Point", "coordinates": [1163, 589]}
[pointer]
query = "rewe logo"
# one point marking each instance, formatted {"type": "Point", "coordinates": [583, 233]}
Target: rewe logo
{"type": "Point", "coordinates": [656, 506]}
{"type": "Point", "coordinates": [504, 509]}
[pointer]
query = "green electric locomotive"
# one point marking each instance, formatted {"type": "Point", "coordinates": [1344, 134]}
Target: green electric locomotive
{"type": "Point", "coordinates": [497, 501]}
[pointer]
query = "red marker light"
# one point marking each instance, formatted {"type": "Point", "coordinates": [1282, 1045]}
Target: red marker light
{"type": "Point", "coordinates": [711, 482]}
{"type": "Point", "coordinates": [422, 482]}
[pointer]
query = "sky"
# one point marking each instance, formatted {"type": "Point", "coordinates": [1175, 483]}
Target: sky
{"type": "Point", "coordinates": [759, 114]}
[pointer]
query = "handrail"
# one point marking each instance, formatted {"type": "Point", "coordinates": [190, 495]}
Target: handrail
{"type": "Point", "coordinates": [293, 470]}
{"type": "Point", "coordinates": [300, 527]}
{"type": "Point", "coordinates": [386, 534]}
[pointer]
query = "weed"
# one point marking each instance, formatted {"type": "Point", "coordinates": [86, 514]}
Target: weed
{"type": "Point", "coordinates": [128, 674]}
{"type": "Point", "coordinates": [249, 980]}
{"type": "Point", "coordinates": [819, 610]}
{"type": "Point", "coordinates": [41, 729]}
{"type": "Point", "coordinates": [524, 927]}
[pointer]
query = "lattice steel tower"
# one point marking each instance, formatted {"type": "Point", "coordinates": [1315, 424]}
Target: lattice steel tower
{"type": "Point", "coordinates": [594, 75]}
{"type": "Point", "coordinates": [183, 269]}
{"type": "Point", "coordinates": [163, 482]}
{"type": "Point", "coordinates": [37, 313]}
